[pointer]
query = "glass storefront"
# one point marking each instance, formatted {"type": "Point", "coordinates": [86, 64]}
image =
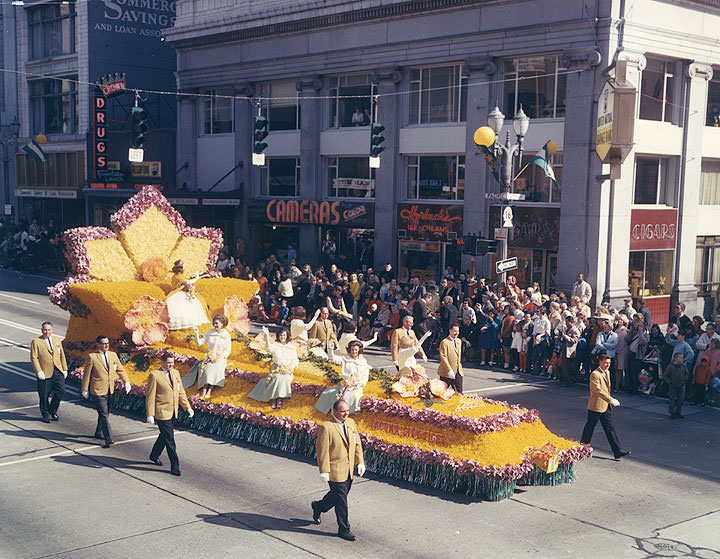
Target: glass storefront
{"type": "Point", "coordinates": [651, 273]}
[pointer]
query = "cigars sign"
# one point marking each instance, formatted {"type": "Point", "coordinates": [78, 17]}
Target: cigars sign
{"type": "Point", "coordinates": [313, 212]}
{"type": "Point", "coordinates": [430, 222]}
{"type": "Point", "coordinates": [653, 229]}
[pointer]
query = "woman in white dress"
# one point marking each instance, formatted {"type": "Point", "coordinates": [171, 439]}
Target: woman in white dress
{"type": "Point", "coordinates": [210, 372]}
{"type": "Point", "coordinates": [298, 328]}
{"type": "Point", "coordinates": [406, 353]}
{"type": "Point", "coordinates": [185, 307]}
{"type": "Point", "coordinates": [277, 384]}
{"type": "Point", "coordinates": [349, 334]}
{"type": "Point", "coordinates": [355, 372]}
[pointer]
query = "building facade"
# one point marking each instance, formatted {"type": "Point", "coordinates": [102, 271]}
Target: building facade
{"type": "Point", "coordinates": [430, 72]}
{"type": "Point", "coordinates": [78, 66]}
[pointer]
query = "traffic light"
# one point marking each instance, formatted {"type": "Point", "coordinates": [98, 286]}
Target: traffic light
{"type": "Point", "coordinates": [485, 246]}
{"type": "Point", "coordinates": [259, 134]}
{"type": "Point", "coordinates": [376, 139]}
{"type": "Point", "coordinates": [469, 244]}
{"type": "Point", "coordinates": [138, 126]}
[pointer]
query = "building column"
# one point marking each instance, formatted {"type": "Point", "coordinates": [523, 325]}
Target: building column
{"type": "Point", "coordinates": [477, 176]}
{"type": "Point", "coordinates": [243, 122]}
{"type": "Point", "coordinates": [311, 186]}
{"type": "Point", "coordinates": [684, 289]}
{"type": "Point", "coordinates": [387, 178]}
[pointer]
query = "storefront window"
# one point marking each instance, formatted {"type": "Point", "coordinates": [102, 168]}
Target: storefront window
{"type": "Point", "coordinates": [354, 248]}
{"type": "Point", "coordinates": [280, 105]}
{"type": "Point", "coordinates": [710, 182]}
{"type": "Point", "coordinates": [218, 112]}
{"type": "Point", "coordinates": [276, 240]}
{"type": "Point", "coordinates": [418, 259]}
{"type": "Point", "coordinates": [351, 101]}
{"type": "Point", "coordinates": [280, 176]}
{"type": "Point", "coordinates": [437, 94]}
{"type": "Point", "coordinates": [713, 105]}
{"type": "Point", "coordinates": [53, 105]}
{"type": "Point", "coordinates": [535, 184]}
{"type": "Point", "coordinates": [350, 177]}
{"type": "Point", "coordinates": [651, 273]}
{"type": "Point", "coordinates": [656, 90]}
{"type": "Point", "coordinates": [707, 264]}
{"type": "Point", "coordinates": [537, 84]}
{"type": "Point", "coordinates": [652, 181]}
{"type": "Point", "coordinates": [436, 177]}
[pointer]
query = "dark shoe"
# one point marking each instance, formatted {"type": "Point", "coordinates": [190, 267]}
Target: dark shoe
{"type": "Point", "coordinates": [621, 454]}
{"type": "Point", "coordinates": [46, 420]}
{"type": "Point", "coordinates": [54, 417]}
{"type": "Point", "coordinates": [107, 444]}
{"type": "Point", "coordinates": [175, 472]}
{"type": "Point", "coordinates": [316, 512]}
{"type": "Point", "coordinates": [349, 536]}
{"type": "Point", "coordinates": [155, 461]}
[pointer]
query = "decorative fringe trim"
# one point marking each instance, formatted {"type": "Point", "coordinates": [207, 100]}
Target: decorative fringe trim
{"type": "Point", "coordinates": [295, 441]}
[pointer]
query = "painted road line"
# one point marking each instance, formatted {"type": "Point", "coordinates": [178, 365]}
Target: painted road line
{"type": "Point", "coordinates": [31, 376]}
{"type": "Point", "coordinates": [19, 326]}
{"type": "Point", "coordinates": [2, 294]}
{"type": "Point", "coordinates": [79, 450]}
{"type": "Point", "coordinates": [18, 345]}
{"type": "Point", "coordinates": [525, 384]}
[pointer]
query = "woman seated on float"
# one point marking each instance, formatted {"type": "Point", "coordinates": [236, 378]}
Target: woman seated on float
{"type": "Point", "coordinates": [355, 373]}
{"type": "Point", "coordinates": [277, 384]}
{"type": "Point", "coordinates": [406, 353]}
{"type": "Point", "coordinates": [298, 328]}
{"type": "Point", "coordinates": [210, 371]}
{"type": "Point", "coordinates": [349, 334]}
{"type": "Point", "coordinates": [185, 307]}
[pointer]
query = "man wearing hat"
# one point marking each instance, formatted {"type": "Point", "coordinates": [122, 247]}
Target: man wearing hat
{"type": "Point", "coordinates": [628, 309]}
{"type": "Point", "coordinates": [600, 407]}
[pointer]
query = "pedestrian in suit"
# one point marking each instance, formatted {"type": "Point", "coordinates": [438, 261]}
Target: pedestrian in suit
{"type": "Point", "coordinates": [99, 372]}
{"type": "Point", "coordinates": [568, 353]}
{"type": "Point", "coordinates": [48, 360]}
{"type": "Point", "coordinates": [338, 451]}
{"type": "Point", "coordinates": [450, 370]}
{"type": "Point", "coordinates": [164, 392]}
{"type": "Point", "coordinates": [406, 330]}
{"type": "Point", "coordinates": [600, 407]}
{"type": "Point", "coordinates": [324, 330]}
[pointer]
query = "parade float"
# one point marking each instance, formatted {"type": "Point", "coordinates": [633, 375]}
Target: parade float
{"type": "Point", "coordinates": [412, 428]}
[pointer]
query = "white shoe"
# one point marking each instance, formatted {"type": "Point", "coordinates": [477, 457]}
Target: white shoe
{"type": "Point", "coordinates": [492, 363]}
{"type": "Point", "coordinates": [506, 366]}
{"type": "Point", "coordinates": [516, 369]}
{"type": "Point", "coordinates": [482, 363]}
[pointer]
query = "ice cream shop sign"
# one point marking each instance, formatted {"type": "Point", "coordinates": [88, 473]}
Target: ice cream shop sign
{"type": "Point", "coordinates": [653, 229]}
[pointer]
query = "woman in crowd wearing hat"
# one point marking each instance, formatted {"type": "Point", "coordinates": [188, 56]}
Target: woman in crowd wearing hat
{"type": "Point", "coordinates": [355, 372]}
{"type": "Point", "coordinates": [276, 385]}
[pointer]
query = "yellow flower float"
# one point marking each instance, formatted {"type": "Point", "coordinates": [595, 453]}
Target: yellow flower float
{"type": "Point", "coordinates": [125, 284]}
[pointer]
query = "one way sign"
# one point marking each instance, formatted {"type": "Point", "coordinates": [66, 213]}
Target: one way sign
{"type": "Point", "coordinates": [503, 266]}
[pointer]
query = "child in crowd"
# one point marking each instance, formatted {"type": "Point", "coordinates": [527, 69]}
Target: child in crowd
{"type": "Point", "coordinates": [516, 346]}
{"type": "Point", "coordinates": [283, 312]}
{"type": "Point", "coordinates": [676, 376]}
{"type": "Point", "coordinates": [701, 380]}
{"type": "Point", "coordinates": [524, 348]}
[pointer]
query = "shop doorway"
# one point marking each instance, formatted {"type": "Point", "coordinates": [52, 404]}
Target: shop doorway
{"type": "Point", "coordinates": [354, 248]}
{"type": "Point", "coordinates": [275, 239]}
{"type": "Point", "coordinates": [534, 265]}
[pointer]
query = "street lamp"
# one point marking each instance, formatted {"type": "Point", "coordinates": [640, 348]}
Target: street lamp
{"type": "Point", "coordinates": [505, 155]}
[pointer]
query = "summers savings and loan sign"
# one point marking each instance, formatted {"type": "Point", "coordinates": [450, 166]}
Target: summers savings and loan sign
{"type": "Point", "coordinates": [135, 17]}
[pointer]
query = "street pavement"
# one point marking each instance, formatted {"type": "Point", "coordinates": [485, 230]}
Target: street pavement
{"type": "Point", "coordinates": [65, 496]}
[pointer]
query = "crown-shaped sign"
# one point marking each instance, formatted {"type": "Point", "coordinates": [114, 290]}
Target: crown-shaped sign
{"type": "Point", "coordinates": [112, 83]}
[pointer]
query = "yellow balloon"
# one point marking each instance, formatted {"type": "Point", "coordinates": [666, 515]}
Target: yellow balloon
{"type": "Point", "coordinates": [484, 136]}
{"type": "Point", "coordinates": [551, 147]}
{"type": "Point", "coordinates": [41, 139]}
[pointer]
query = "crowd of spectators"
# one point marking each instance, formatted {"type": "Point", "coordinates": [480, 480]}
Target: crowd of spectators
{"type": "Point", "coordinates": [30, 246]}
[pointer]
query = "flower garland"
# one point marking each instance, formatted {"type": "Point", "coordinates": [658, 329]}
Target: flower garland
{"type": "Point", "coordinates": [75, 249]}
{"type": "Point", "coordinates": [139, 204]}
{"type": "Point", "coordinates": [216, 242]}
{"type": "Point", "coordinates": [60, 295]}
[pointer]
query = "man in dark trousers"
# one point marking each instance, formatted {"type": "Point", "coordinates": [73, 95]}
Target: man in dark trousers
{"type": "Point", "coordinates": [99, 373]}
{"type": "Point", "coordinates": [48, 360]}
{"type": "Point", "coordinates": [164, 392]}
{"type": "Point", "coordinates": [338, 452]}
{"type": "Point", "coordinates": [600, 406]}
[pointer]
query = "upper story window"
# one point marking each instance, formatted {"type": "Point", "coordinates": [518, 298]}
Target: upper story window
{"type": "Point", "coordinates": [534, 183]}
{"type": "Point", "coordinates": [280, 105]}
{"type": "Point", "coordinates": [51, 29]}
{"type": "Point", "coordinates": [350, 177]}
{"type": "Point", "coordinates": [438, 94]}
{"type": "Point", "coordinates": [218, 112]}
{"type": "Point", "coordinates": [537, 83]}
{"type": "Point", "coordinates": [657, 90]}
{"type": "Point", "coordinates": [653, 181]}
{"type": "Point", "coordinates": [713, 106]}
{"type": "Point", "coordinates": [280, 176]}
{"type": "Point", "coordinates": [351, 100]}
{"type": "Point", "coordinates": [710, 182]}
{"type": "Point", "coordinates": [436, 177]}
{"type": "Point", "coordinates": [54, 105]}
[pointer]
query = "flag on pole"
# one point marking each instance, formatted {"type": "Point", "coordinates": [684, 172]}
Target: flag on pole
{"type": "Point", "coordinates": [34, 149]}
{"type": "Point", "coordinates": [491, 160]}
{"type": "Point", "coordinates": [542, 160]}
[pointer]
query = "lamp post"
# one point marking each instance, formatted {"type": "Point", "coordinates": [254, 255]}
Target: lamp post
{"type": "Point", "coordinates": [505, 155]}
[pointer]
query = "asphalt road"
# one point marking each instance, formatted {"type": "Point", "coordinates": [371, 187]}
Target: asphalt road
{"type": "Point", "coordinates": [65, 496]}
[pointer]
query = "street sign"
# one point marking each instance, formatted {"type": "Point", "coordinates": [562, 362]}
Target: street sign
{"type": "Point", "coordinates": [603, 135]}
{"type": "Point", "coordinates": [507, 217]}
{"type": "Point", "coordinates": [501, 233]}
{"type": "Point", "coordinates": [504, 196]}
{"type": "Point", "coordinates": [503, 266]}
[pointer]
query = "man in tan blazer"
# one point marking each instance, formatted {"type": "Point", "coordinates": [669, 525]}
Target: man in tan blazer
{"type": "Point", "coordinates": [99, 373]}
{"type": "Point", "coordinates": [164, 392]}
{"type": "Point", "coordinates": [338, 452]}
{"type": "Point", "coordinates": [450, 370]}
{"type": "Point", "coordinates": [405, 330]}
{"type": "Point", "coordinates": [324, 330]}
{"type": "Point", "coordinates": [48, 360]}
{"type": "Point", "coordinates": [600, 406]}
